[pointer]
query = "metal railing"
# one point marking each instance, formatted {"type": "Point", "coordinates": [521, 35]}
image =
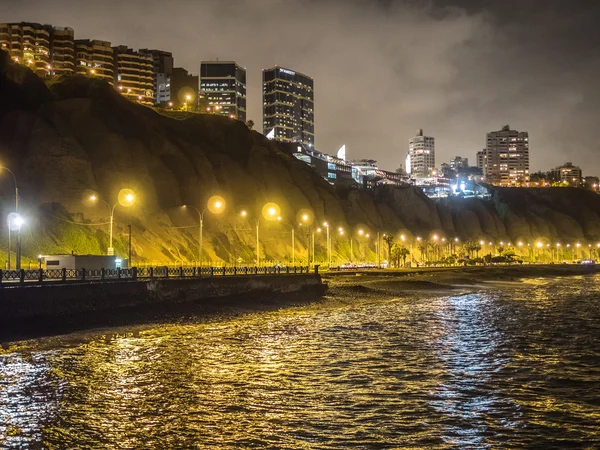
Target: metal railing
{"type": "Point", "coordinates": [38, 276]}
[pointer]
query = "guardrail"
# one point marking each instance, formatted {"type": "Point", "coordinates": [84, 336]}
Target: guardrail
{"type": "Point", "coordinates": [39, 276]}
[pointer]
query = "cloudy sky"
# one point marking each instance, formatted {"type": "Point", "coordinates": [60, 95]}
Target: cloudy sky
{"type": "Point", "coordinates": [383, 68]}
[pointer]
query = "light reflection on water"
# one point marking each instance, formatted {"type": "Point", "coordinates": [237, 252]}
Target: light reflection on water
{"type": "Point", "coordinates": [496, 369]}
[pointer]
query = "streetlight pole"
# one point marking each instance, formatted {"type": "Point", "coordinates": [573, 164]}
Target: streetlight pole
{"type": "Point", "coordinates": [16, 211]}
{"type": "Point", "coordinates": [257, 245]}
{"type": "Point", "coordinates": [293, 247]}
{"type": "Point", "coordinates": [200, 232]}
{"type": "Point", "coordinates": [326, 225]}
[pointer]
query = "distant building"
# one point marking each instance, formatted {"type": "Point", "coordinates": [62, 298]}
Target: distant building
{"type": "Point", "coordinates": [592, 183]}
{"type": "Point", "coordinates": [162, 67]}
{"type": "Point", "coordinates": [223, 85]}
{"type": "Point", "coordinates": [95, 58]}
{"type": "Point", "coordinates": [420, 162]}
{"type": "Point", "coordinates": [134, 74]}
{"type": "Point", "coordinates": [288, 106]}
{"type": "Point", "coordinates": [481, 161]}
{"type": "Point", "coordinates": [458, 162]}
{"type": "Point", "coordinates": [184, 88]}
{"type": "Point", "coordinates": [47, 50]}
{"type": "Point", "coordinates": [507, 157]}
{"type": "Point", "coordinates": [567, 173]}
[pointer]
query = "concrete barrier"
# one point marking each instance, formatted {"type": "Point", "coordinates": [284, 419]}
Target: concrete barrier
{"type": "Point", "coordinates": [55, 300]}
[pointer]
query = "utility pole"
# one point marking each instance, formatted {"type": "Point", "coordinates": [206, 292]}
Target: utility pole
{"type": "Point", "coordinates": [129, 263]}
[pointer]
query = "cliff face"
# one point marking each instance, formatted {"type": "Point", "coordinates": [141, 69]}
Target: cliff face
{"type": "Point", "coordinates": [80, 136]}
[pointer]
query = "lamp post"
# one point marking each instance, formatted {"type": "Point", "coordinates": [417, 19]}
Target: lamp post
{"type": "Point", "coordinates": [360, 233]}
{"type": "Point", "coordinates": [125, 198]}
{"type": "Point", "coordinates": [16, 211]}
{"type": "Point", "coordinates": [270, 212]}
{"type": "Point", "coordinates": [216, 205]}
{"type": "Point", "coordinates": [15, 222]}
{"type": "Point", "coordinates": [326, 225]}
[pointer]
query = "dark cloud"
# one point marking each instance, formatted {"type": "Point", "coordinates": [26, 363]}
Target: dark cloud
{"type": "Point", "coordinates": [384, 68]}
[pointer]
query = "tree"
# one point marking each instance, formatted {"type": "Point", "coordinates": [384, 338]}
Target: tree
{"type": "Point", "coordinates": [250, 124]}
{"type": "Point", "coordinates": [472, 246]}
{"type": "Point", "coordinates": [399, 252]}
{"type": "Point", "coordinates": [389, 240]}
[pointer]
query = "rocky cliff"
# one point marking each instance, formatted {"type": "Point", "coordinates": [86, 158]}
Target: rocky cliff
{"type": "Point", "coordinates": [77, 135]}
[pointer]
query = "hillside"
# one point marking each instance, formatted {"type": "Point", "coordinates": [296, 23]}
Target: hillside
{"type": "Point", "coordinates": [79, 136]}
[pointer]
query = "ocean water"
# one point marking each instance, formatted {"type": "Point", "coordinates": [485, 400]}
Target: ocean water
{"type": "Point", "coordinates": [516, 367]}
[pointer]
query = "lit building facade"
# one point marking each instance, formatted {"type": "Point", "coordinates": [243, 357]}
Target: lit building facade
{"type": "Point", "coordinates": [481, 160]}
{"type": "Point", "coordinates": [458, 162]}
{"type": "Point", "coordinates": [162, 65]}
{"type": "Point", "coordinates": [223, 85]}
{"type": "Point", "coordinates": [47, 50]}
{"type": "Point", "coordinates": [288, 106]}
{"type": "Point", "coordinates": [420, 162]}
{"type": "Point", "coordinates": [134, 74]}
{"type": "Point", "coordinates": [95, 58]}
{"type": "Point", "coordinates": [507, 157]}
{"type": "Point", "coordinates": [568, 173]}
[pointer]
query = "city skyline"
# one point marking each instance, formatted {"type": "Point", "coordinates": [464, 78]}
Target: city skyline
{"type": "Point", "coordinates": [448, 81]}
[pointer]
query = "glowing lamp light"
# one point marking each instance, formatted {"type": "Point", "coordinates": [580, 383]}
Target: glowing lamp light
{"type": "Point", "coordinates": [360, 232]}
{"type": "Point", "coordinates": [216, 204]}
{"type": "Point", "coordinates": [243, 214]}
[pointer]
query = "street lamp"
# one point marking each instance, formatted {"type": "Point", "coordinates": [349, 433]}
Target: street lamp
{"type": "Point", "coordinates": [270, 211]}
{"type": "Point", "coordinates": [15, 222]}
{"type": "Point", "coordinates": [326, 225]}
{"type": "Point", "coordinates": [125, 198]}
{"type": "Point", "coordinates": [215, 205]}
{"type": "Point", "coordinates": [16, 211]}
{"type": "Point", "coordinates": [360, 233]}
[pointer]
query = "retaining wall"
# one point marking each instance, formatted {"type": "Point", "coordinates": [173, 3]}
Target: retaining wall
{"type": "Point", "coordinates": [57, 299]}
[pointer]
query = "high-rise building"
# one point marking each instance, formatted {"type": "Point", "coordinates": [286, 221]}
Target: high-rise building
{"type": "Point", "coordinates": [184, 88]}
{"type": "Point", "coordinates": [507, 157]}
{"type": "Point", "coordinates": [288, 106]}
{"type": "Point", "coordinates": [481, 161]}
{"type": "Point", "coordinates": [223, 86]}
{"type": "Point", "coordinates": [95, 58]}
{"type": "Point", "coordinates": [420, 162]}
{"type": "Point", "coordinates": [162, 63]}
{"type": "Point", "coordinates": [134, 74]}
{"type": "Point", "coordinates": [47, 50]}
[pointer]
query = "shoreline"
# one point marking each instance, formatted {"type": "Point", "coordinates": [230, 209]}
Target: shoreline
{"type": "Point", "coordinates": [341, 286]}
{"type": "Point", "coordinates": [444, 280]}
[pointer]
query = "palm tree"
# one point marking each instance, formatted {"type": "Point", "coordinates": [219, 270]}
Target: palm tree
{"type": "Point", "coordinates": [389, 240]}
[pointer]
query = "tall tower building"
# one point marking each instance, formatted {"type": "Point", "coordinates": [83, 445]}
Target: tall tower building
{"type": "Point", "coordinates": [134, 74]}
{"type": "Point", "coordinates": [507, 157]}
{"type": "Point", "coordinates": [420, 161]}
{"type": "Point", "coordinates": [223, 85]}
{"type": "Point", "coordinates": [288, 106]}
{"type": "Point", "coordinates": [95, 58]}
{"type": "Point", "coordinates": [45, 49]}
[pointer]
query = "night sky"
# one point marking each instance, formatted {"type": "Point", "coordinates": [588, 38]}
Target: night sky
{"type": "Point", "coordinates": [382, 69]}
